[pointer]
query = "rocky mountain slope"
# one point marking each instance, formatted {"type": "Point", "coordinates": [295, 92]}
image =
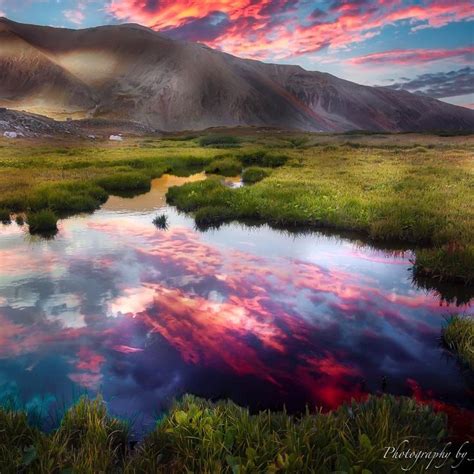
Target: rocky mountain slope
{"type": "Point", "coordinates": [129, 72]}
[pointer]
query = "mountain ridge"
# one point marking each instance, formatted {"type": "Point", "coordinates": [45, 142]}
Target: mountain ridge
{"type": "Point", "coordinates": [129, 72]}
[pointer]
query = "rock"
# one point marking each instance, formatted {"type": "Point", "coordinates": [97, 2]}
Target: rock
{"type": "Point", "coordinates": [92, 137]}
{"type": "Point", "coordinates": [10, 135]}
{"type": "Point", "coordinates": [115, 138]}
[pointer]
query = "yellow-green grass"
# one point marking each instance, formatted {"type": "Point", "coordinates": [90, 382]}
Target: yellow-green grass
{"type": "Point", "coordinates": [225, 167]}
{"type": "Point", "coordinates": [254, 174]}
{"type": "Point", "coordinates": [458, 336]}
{"type": "Point", "coordinates": [200, 436]}
{"type": "Point", "coordinates": [42, 222]}
{"type": "Point", "coordinates": [416, 189]}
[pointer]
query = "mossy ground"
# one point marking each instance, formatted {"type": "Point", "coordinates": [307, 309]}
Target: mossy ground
{"type": "Point", "coordinates": [202, 437]}
{"type": "Point", "coordinates": [416, 189]}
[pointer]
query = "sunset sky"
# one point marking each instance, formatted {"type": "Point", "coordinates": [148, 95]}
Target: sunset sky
{"type": "Point", "coordinates": [424, 46]}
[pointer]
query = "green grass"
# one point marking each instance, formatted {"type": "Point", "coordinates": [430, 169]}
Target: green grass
{"type": "Point", "coordinates": [263, 158]}
{"type": "Point", "coordinates": [411, 189]}
{"type": "Point", "coordinates": [224, 167]}
{"type": "Point", "coordinates": [458, 337]}
{"type": "Point", "coordinates": [219, 141]}
{"type": "Point", "coordinates": [200, 436]}
{"type": "Point", "coordinates": [254, 174]}
{"type": "Point", "coordinates": [124, 182]}
{"type": "Point", "coordinates": [42, 222]}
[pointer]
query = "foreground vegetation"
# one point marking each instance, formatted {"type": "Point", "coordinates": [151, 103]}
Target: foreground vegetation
{"type": "Point", "coordinates": [412, 189]}
{"type": "Point", "coordinates": [202, 437]}
{"type": "Point", "coordinates": [458, 337]}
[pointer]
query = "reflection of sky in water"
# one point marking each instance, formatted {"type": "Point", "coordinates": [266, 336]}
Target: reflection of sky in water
{"type": "Point", "coordinates": [143, 315]}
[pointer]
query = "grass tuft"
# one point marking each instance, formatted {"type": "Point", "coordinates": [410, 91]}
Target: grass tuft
{"type": "Point", "coordinates": [254, 174]}
{"type": "Point", "coordinates": [161, 222]}
{"type": "Point", "coordinates": [224, 167]}
{"type": "Point", "coordinates": [124, 182]}
{"type": "Point", "coordinates": [43, 222]}
{"type": "Point", "coordinates": [263, 158]}
{"type": "Point", "coordinates": [458, 336]}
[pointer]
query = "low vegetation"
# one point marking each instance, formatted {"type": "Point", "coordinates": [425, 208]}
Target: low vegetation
{"type": "Point", "coordinates": [224, 167]}
{"type": "Point", "coordinates": [411, 189]}
{"type": "Point", "coordinates": [5, 216]}
{"type": "Point", "coordinates": [458, 337]}
{"type": "Point", "coordinates": [42, 222]}
{"type": "Point", "coordinates": [260, 157]}
{"type": "Point", "coordinates": [161, 222]}
{"type": "Point", "coordinates": [124, 182]}
{"type": "Point", "coordinates": [200, 436]}
{"type": "Point", "coordinates": [221, 141]}
{"type": "Point", "coordinates": [254, 174]}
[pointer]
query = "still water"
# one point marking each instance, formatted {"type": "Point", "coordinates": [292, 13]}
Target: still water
{"type": "Point", "coordinates": [141, 315]}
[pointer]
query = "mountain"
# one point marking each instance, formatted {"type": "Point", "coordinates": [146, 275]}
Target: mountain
{"type": "Point", "coordinates": [129, 72]}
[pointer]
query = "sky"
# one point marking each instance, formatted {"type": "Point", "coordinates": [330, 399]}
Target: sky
{"type": "Point", "coordinates": [423, 46]}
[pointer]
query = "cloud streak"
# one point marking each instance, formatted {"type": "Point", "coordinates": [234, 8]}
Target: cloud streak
{"type": "Point", "coordinates": [440, 84]}
{"type": "Point", "coordinates": [408, 57]}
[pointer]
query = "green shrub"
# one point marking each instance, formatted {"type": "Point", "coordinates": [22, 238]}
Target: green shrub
{"type": "Point", "coordinates": [132, 181]}
{"type": "Point", "coordinates": [458, 336]}
{"type": "Point", "coordinates": [219, 141]}
{"type": "Point", "coordinates": [224, 167]}
{"type": "Point", "coordinates": [42, 222]}
{"type": "Point", "coordinates": [254, 174]}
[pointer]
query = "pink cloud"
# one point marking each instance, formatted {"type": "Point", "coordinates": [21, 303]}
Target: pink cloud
{"type": "Point", "coordinates": [74, 16]}
{"type": "Point", "coordinates": [414, 56]}
{"type": "Point", "coordinates": [266, 29]}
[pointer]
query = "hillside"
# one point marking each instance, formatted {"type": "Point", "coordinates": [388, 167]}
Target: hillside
{"type": "Point", "coordinates": [128, 72]}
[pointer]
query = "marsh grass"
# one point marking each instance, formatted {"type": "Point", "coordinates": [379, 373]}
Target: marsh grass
{"type": "Point", "coordinates": [5, 216]}
{"type": "Point", "coordinates": [254, 174]}
{"type": "Point", "coordinates": [263, 158]}
{"type": "Point", "coordinates": [224, 167]}
{"type": "Point", "coordinates": [161, 222]}
{"type": "Point", "coordinates": [413, 189]}
{"type": "Point", "coordinates": [123, 182]}
{"type": "Point", "coordinates": [44, 222]}
{"type": "Point", "coordinates": [199, 436]}
{"type": "Point", "coordinates": [221, 141]}
{"type": "Point", "coordinates": [458, 337]}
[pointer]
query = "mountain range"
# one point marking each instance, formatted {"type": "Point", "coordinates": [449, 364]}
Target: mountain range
{"type": "Point", "coordinates": [129, 72]}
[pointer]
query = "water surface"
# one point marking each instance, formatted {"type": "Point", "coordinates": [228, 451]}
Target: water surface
{"type": "Point", "coordinates": [142, 315]}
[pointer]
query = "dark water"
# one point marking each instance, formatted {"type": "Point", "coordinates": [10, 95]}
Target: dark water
{"type": "Point", "coordinates": [263, 317]}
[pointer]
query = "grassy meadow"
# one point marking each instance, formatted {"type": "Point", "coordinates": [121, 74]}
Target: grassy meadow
{"type": "Point", "coordinates": [199, 436]}
{"type": "Point", "coordinates": [415, 190]}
